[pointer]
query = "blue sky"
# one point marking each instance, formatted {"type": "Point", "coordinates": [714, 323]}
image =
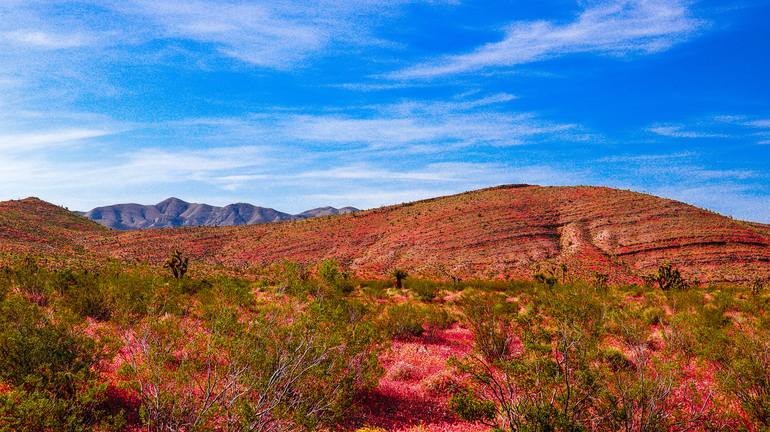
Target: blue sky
{"type": "Point", "coordinates": [295, 105]}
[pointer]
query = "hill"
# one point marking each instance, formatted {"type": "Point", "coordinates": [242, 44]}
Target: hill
{"type": "Point", "coordinates": [33, 225]}
{"type": "Point", "coordinates": [491, 233]}
{"type": "Point", "coordinates": [174, 212]}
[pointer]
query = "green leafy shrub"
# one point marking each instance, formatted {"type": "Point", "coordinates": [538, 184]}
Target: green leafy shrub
{"type": "Point", "coordinates": [333, 278]}
{"type": "Point", "coordinates": [470, 407]}
{"type": "Point", "coordinates": [653, 315]}
{"type": "Point", "coordinates": [746, 377]}
{"type": "Point", "coordinates": [51, 370]}
{"type": "Point", "coordinates": [292, 277]}
{"type": "Point", "coordinates": [404, 320]}
{"type": "Point", "coordinates": [616, 360]}
{"type": "Point", "coordinates": [423, 289]}
{"type": "Point", "coordinates": [489, 316]}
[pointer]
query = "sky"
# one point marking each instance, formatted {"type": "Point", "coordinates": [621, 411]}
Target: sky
{"type": "Point", "coordinates": [295, 105]}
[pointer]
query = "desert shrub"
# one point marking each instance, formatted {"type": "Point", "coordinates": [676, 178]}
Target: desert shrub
{"type": "Point", "coordinates": [680, 335]}
{"type": "Point", "coordinates": [757, 287]}
{"type": "Point", "coordinates": [285, 367]}
{"type": "Point", "coordinates": [441, 383]}
{"type": "Point", "coordinates": [292, 278]}
{"type": "Point", "coordinates": [338, 347]}
{"type": "Point", "coordinates": [488, 316]}
{"type": "Point", "coordinates": [638, 398]}
{"type": "Point", "coordinates": [437, 317]}
{"type": "Point", "coordinates": [600, 280]}
{"type": "Point", "coordinates": [86, 294]}
{"type": "Point", "coordinates": [423, 289]}
{"type": "Point", "coordinates": [228, 290]}
{"type": "Point", "coordinates": [535, 390]}
{"type": "Point", "coordinates": [653, 315]}
{"type": "Point", "coordinates": [746, 377]}
{"type": "Point", "coordinates": [161, 363]}
{"type": "Point", "coordinates": [576, 304]}
{"type": "Point", "coordinates": [50, 368]}
{"type": "Point", "coordinates": [375, 288]}
{"type": "Point", "coordinates": [470, 407]}
{"type": "Point", "coordinates": [616, 359]}
{"type": "Point", "coordinates": [29, 279]}
{"type": "Point", "coordinates": [404, 320]}
{"type": "Point", "coordinates": [333, 278]}
{"type": "Point", "coordinates": [193, 286]}
{"type": "Point", "coordinates": [547, 279]}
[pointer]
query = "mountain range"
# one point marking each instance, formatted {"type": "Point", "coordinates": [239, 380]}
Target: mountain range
{"type": "Point", "coordinates": [496, 233]}
{"type": "Point", "coordinates": [174, 212]}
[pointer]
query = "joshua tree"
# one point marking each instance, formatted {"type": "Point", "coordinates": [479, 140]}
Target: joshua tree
{"type": "Point", "coordinates": [669, 278]}
{"type": "Point", "coordinates": [600, 280]}
{"type": "Point", "coordinates": [757, 286]}
{"type": "Point", "coordinates": [546, 278]}
{"type": "Point", "coordinates": [564, 270]}
{"type": "Point", "coordinates": [178, 264]}
{"type": "Point", "coordinates": [399, 275]}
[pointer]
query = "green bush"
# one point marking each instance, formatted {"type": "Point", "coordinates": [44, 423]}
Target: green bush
{"type": "Point", "coordinates": [404, 320]}
{"type": "Point", "coordinates": [746, 376]}
{"type": "Point", "coordinates": [472, 408]}
{"type": "Point", "coordinates": [423, 289]}
{"type": "Point", "coordinates": [616, 360]}
{"type": "Point", "coordinates": [653, 315]}
{"type": "Point", "coordinates": [334, 279]}
{"type": "Point", "coordinates": [51, 370]}
{"type": "Point", "coordinates": [489, 316]}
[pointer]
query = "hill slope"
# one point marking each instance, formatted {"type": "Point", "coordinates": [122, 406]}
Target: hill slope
{"type": "Point", "coordinates": [173, 213]}
{"type": "Point", "coordinates": [490, 233]}
{"type": "Point", "coordinates": [494, 232]}
{"type": "Point", "coordinates": [32, 225]}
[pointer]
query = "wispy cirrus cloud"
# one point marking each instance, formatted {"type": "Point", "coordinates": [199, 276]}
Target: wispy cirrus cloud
{"type": "Point", "coordinates": [681, 131]}
{"type": "Point", "coordinates": [47, 40]}
{"type": "Point", "coordinates": [277, 35]}
{"type": "Point", "coordinates": [618, 27]}
{"type": "Point", "coordinates": [720, 127]}
{"type": "Point", "coordinates": [410, 126]}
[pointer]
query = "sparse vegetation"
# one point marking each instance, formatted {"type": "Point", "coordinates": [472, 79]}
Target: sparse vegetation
{"type": "Point", "coordinates": [121, 347]}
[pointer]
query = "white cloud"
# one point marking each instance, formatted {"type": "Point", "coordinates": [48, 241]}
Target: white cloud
{"type": "Point", "coordinates": [646, 157]}
{"type": "Point", "coordinates": [617, 27]}
{"type": "Point", "coordinates": [761, 124]}
{"type": "Point", "coordinates": [47, 40]}
{"type": "Point", "coordinates": [680, 131]}
{"type": "Point", "coordinates": [417, 125]}
{"type": "Point", "coordinates": [722, 126]}
{"type": "Point", "coordinates": [277, 34]}
{"type": "Point", "coordinates": [37, 140]}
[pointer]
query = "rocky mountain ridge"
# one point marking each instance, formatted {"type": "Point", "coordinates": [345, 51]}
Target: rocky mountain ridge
{"type": "Point", "coordinates": [174, 213]}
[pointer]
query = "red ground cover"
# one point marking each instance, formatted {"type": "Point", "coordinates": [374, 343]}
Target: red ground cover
{"type": "Point", "coordinates": [412, 396]}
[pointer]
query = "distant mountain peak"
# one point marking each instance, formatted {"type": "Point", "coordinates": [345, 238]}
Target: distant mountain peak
{"type": "Point", "coordinates": [175, 212]}
{"type": "Point", "coordinates": [172, 200]}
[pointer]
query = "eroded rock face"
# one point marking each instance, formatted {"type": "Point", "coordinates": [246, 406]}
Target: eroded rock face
{"type": "Point", "coordinates": [491, 233]}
